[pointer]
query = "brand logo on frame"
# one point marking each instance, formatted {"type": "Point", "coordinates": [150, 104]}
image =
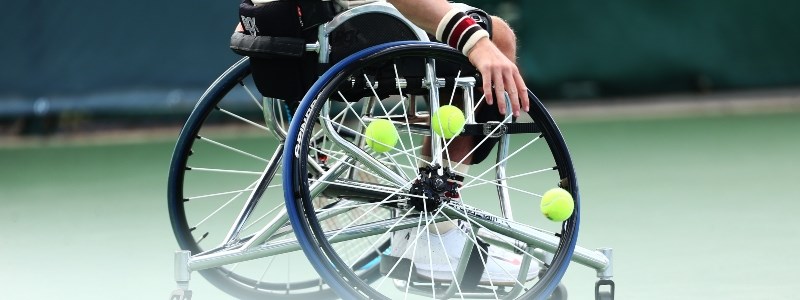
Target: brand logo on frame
{"type": "Point", "coordinates": [249, 24]}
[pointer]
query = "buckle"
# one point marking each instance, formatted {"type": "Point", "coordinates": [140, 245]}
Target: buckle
{"type": "Point", "coordinates": [490, 126]}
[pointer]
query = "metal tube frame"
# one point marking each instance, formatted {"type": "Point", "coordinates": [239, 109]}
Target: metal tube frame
{"type": "Point", "coordinates": [536, 242]}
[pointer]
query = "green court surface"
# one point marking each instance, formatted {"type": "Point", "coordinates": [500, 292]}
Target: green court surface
{"type": "Point", "coordinates": [695, 208]}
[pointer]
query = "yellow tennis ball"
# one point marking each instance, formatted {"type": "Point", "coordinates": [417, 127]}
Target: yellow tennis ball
{"type": "Point", "coordinates": [557, 204]}
{"type": "Point", "coordinates": [381, 135]}
{"type": "Point", "coordinates": [447, 121]}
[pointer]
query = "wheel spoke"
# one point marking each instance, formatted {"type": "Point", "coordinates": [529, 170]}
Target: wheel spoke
{"type": "Point", "coordinates": [492, 182]}
{"type": "Point", "coordinates": [213, 170]}
{"type": "Point", "coordinates": [249, 187]}
{"type": "Point", "coordinates": [381, 237]}
{"type": "Point", "coordinates": [213, 142]}
{"type": "Point", "coordinates": [243, 119]}
{"type": "Point", "coordinates": [252, 96]}
{"type": "Point", "coordinates": [474, 238]}
{"type": "Point", "coordinates": [382, 186]}
{"type": "Point", "coordinates": [202, 197]}
{"type": "Point", "coordinates": [219, 194]}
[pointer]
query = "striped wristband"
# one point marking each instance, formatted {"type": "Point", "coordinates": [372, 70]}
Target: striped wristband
{"type": "Point", "coordinates": [459, 31]}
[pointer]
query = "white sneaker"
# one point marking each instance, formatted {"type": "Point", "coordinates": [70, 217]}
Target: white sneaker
{"type": "Point", "coordinates": [501, 267]}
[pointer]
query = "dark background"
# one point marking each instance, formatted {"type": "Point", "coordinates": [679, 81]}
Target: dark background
{"type": "Point", "coordinates": [96, 56]}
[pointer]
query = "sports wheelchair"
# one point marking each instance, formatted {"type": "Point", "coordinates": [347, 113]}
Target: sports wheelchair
{"type": "Point", "coordinates": [261, 193]}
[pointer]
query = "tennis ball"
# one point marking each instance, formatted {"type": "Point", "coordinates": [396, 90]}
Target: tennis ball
{"type": "Point", "coordinates": [381, 135]}
{"type": "Point", "coordinates": [447, 121]}
{"type": "Point", "coordinates": [557, 204]}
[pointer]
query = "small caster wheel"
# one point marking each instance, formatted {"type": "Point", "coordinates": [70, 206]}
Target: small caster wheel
{"type": "Point", "coordinates": [181, 294]}
{"type": "Point", "coordinates": [604, 295]}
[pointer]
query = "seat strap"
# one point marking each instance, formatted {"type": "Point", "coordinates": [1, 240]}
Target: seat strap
{"type": "Point", "coordinates": [267, 46]}
{"type": "Point", "coordinates": [491, 128]}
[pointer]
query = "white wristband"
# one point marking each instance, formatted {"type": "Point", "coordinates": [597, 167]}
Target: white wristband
{"type": "Point", "coordinates": [443, 23]}
{"type": "Point", "coordinates": [473, 40]}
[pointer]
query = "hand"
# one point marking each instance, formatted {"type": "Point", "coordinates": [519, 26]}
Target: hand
{"type": "Point", "coordinates": [498, 69]}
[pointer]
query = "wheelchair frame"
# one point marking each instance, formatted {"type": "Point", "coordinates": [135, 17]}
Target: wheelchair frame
{"type": "Point", "coordinates": [267, 242]}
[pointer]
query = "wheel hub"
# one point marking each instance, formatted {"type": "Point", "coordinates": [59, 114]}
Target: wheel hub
{"type": "Point", "coordinates": [432, 188]}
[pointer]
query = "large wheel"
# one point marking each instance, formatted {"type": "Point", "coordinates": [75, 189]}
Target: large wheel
{"type": "Point", "coordinates": [451, 230]}
{"type": "Point", "coordinates": [225, 167]}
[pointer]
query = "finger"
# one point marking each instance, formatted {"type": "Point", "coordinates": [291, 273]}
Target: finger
{"type": "Point", "coordinates": [499, 89]}
{"type": "Point", "coordinates": [513, 94]}
{"type": "Point", "coordinates": [487, 87]}
{"type": "Point", "coordinates": [525, 102]}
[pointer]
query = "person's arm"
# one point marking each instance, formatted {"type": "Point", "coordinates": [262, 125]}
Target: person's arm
{"type": "Point", "coordinates": [491, 63]}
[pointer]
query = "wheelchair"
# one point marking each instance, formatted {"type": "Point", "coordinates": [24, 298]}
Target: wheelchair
{"type": "Point", "coordinates": [261, 193]}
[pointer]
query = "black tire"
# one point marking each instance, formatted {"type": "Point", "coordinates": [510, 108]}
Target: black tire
{"type": "Point", "coordinates": [391, 192]}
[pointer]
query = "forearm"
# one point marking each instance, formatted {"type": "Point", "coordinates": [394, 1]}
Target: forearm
{"type": "Point", "coordinates": [500, 75]}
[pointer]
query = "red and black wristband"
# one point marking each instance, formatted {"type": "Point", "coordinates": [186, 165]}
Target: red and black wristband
{"type": "Point", "coordinates": [460, 31]}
